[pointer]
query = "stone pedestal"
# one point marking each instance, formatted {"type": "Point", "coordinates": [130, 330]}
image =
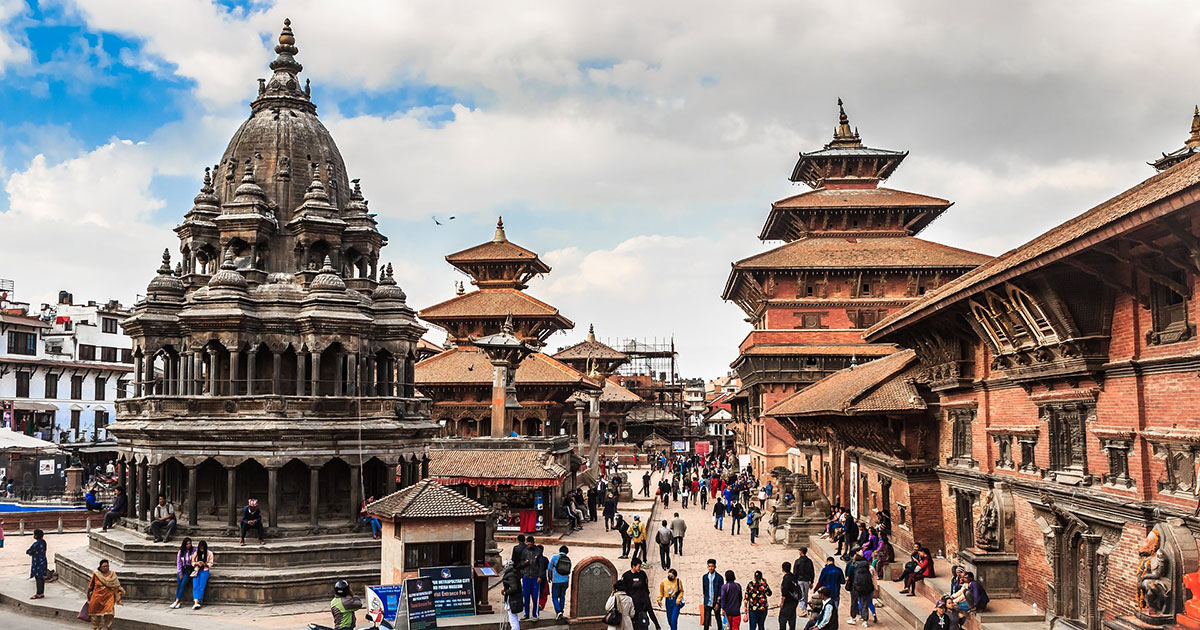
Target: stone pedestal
{"type": "Point", "coordinates": [996, 571]}
{"type": "Point", "coordinates": [74, 490]}
{"type": "Point", "coordinates": [800, 527]}
{"type": "Point", "coordinates": [625, 491]}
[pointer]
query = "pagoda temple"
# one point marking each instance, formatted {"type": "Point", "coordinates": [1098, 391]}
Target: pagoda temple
{"type": "Point", "coordinates": [608, 411]}
{"type": "Point", "coordinates": [850, 257]}
{"type": "Point", "coordinates": [460, 379]}
{"type": "Point", "coordinates": [273, 365]}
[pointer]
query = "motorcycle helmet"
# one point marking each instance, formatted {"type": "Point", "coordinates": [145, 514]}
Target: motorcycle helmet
{"type": "Point", "coordinates": [341, 589]}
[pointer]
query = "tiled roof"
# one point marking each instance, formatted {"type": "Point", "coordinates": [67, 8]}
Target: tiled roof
{"type": "Point", "coordinates": [820, 252]}
{"type": "Point", "coordinates": [842, 198]}
{"type": "Point", "coordinates": [612, 393]}
{"type": "Point", "coordinates": [1034, 254]}
{"type": "Point", "coordinates": [499, 463]}
{"type": "Point", "coordinates": [468, 365]}
{"type": "Point", "coordinates": [489, 302]}
{"type": "Point", "coordinates": [844, 349]}
{"type": "Point", "coordinates": [492, 251]}
{"type": "Point", "coordinates": [426, 499]}
{"type": "Point", "coordinates": [882, 385]}
{"type": "Point", "coordinates": [647, 412]}
{"type": "Point", "coordinates": [589, 350]}
{"type": "Point", "coordinates": [23, 320]}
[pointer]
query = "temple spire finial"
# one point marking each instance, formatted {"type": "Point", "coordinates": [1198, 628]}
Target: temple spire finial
{"type": "Point", "coordinates": [1194, 139]}
{"type": "Point", "coordinates": [165, 268]}
{"type": "Point", "coordinates": [844, 135]}
{"type": "Point", "coordinates": [591, 333]}
{"type": "Point", "coordinates": [500, 236]}
{"type": "Point", "coordinates": [287, 39]}
{"type": "Point", "coordinates": [507, 328]}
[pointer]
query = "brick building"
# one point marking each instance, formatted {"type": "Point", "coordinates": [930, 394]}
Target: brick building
{"type": "Point", "coordinates": [1045, 414]}
{"type": "Point", "coordinates": [850, 257]}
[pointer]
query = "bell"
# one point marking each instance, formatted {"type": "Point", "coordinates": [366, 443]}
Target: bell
{"type": "Point", "coordinates": [510, 397]}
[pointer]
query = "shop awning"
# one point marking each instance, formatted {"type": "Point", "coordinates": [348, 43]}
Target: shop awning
{"type": "Point", "coordinates": [498, 481]}
{"type": "Point", "coordinates": [28, 405]}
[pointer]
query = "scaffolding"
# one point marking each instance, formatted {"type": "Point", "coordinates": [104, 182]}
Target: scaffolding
{"type": "Point", "coordinates": [653, 374]}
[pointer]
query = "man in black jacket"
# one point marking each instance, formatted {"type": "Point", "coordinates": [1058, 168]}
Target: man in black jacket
{"type": "Point", "coordinates": [790, 594]}
{"type": "Point", "coordinates": [710, 590]}
{"type": "Point", "coordinates": [805, 576]}
{"type": "Point", "coordinates": [531, 574]}
{"type": "Point", "coordinates": [518, 553]}
{"type": "Point", "coordinates": [638, 588]}
{"type": "Point", "coordinates": [626, 540]}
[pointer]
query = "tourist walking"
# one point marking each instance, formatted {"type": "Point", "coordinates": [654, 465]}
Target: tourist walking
{"type": "Point", "coordinates": [530, 572]}
{"type": "Point", "coordinates": [758, 593]}
{"type": "Point", "coordinates": [162, 520]}
{"type": "Point", "coordinates": [752, 521]}
{"type": "Point", "coordinates": [772, 524]}
{"type": "Point", "coordinates": [251, 519]}
{"type": "Point", "coordinates": [37, 563]}
{"type": "Point", "coordinates": [736, 514]}
{"type": "Point", "coordinates": [719, 515]}
{"type": "Point", "coordinates": [518, 552]}
{"type": "Point", "coordinates": [832, 578]}
{"type": "Point", "coordinates": [805, 574]}
{"type": "Point", "coordinates": [646, 484]}
{"type": "Point", "coordinates": [665, 539]}
{"type": "Point", "coordinates": [119, 509]}
{"type": "Point", "coordinates": [626, 540]}
{"type": "Point", "coordinates": [789, 598]}
{"type": "Point", "coordinates": [104, 594]}
{"type": "Point", "coordinates": [710, 591]}
{"type": "Point", "coordinates": [862, 587]}
{"type": "Point", "coordinates": [202, 563]}
{"type": "Point", "coordinates": [637, 532]}
{"type": "Point", "coordinates": [610, 510]}
{"type": "Point", "coordinates": [678, 530]}
{"type": "Point", "coordinates": [510, 591]}
{"type": "Point", "coordinates": [731, 600]}
{"type": "Point", "coordinates": [559, 578]}
{"type": "Point", "coordinates": [638, 590]}
{"type": "Point", "coordinates": [183, 569]}
{"type": "Point", "coordinates": [670, 596]}
{"type": "Point", "coordinates": [619, 605]}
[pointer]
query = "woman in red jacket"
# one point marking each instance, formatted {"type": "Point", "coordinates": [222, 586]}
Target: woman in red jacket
{"type": "Point", "coordinates": [924, 570]}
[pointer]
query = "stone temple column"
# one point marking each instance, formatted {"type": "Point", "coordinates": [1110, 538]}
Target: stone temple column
{"type": "Point", "coordinates": [499, 397]}
{"type": "Point", "coordinates": [273, 496]}
{"type": "Point", "coordinates": [153, 488]}
{"type": "Point", "coordinates": [191, 497]}
{"type": "Point", "coordinates": [197, 373]}
{"type": "Point", "coordinates": [231, 495]}
{"type": "Point", "coordinates": [314, 493]}
{"type": "Point", "coordinates": [355, 489]}
{"type": "Point", "coordinates": [234, 357]}
{"type": "Point", "coordinates": [299, 373]}
{"type": "Point", "coordinates": [185, 373]}
{"type": "Point", "coordinates": [277, 372]}
{"type": "Point", "coordinates": [579, 407]}
{"type": "Point", "coordinates": [251, 372]}
{"type": "Point", "coordinates": [137, 376]}
{"type": "Point", "coordinates": [316, 374]}
{"type": "Point", "coordinates": [213, 362]}
{"type": "Point", "coordinates": [143, 490]}
{"type": "Point", "coordinates": [391, 480]}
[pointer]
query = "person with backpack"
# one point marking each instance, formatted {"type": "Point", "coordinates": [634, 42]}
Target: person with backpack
{"type": "Point", "coordinates": [862, 588]}
{"type": "Point", "coordinates": [637, 532]}
{"type": "Point", "coordinates": [510, 591]}
{"type": "Point", "coordinates": [638, 588]}
{"type": "Point", "coordinates": [665, 539]}
{"type": "Point", "coordinates": [789, 594]}
{"type": "Point", "coordinates": [559, 577]}
{"type": "Point", "coordinates": [618, 610]}
{"type": "Point", "coordinates": [752, 522]}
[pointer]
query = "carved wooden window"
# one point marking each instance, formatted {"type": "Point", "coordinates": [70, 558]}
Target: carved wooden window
{"type": "Point", "coordinates": [997, 335]}
{"type": "Point", "coordinates": [865, 288]}
{"type": "Point", "coordinates": [901, 513]}
{"type": "Point", "coordinates": [1004, 445]}
{"type": "Point", "coordinates": [960, 445]}
{"type": "Point", "coordinates": [810, 320]}
{"type": "Point", "coordinates": [1067, 428]}
{"type": "Point", "coordinates": [807, 288]}
{"type": "Point", "coordinates": [1028, 444]}
{"type": "Point", "coordinates": [1169, 312]}
{"type": "Point", "coordinates": [1032, 314]}
{"type": "Point", "coordinates": [1180, 462]}
{"type": "Point", "coordinates": [1012, 324]}
{"type": "Point", "coordinates": [1117, 451]}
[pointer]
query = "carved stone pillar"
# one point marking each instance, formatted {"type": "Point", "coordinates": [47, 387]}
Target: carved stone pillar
{"type": "Point", "coordinates": [185, 373]}
{"type": "Point", "coordinates": [273, 495]}
{"type": "Point", "coordinates": [579, 407]}
{"type": "Point", "coordinates": [191, 497]}
{"type": "Point", "coordinates": [277, 372]}
{"type": "Point", "coordinates": [391, 480]}
{"type": "Point", "coordinates": [231, 495]}
{"type": "Point", "coordinates": [213, 361]}
{"type": "Point", "coordinates": [137, 376]}
{"type": "Point", "coordinates": [300, 373]}
{"type": "Point", "coordinates": [314, 494]}
{"type": "Point", "coordinates": [339, 376]}
{"type": "Point", "coordinates": [251, 372]}
{"type": "Point", "coordinates": [355, 489]}
{"type": "Point", "coordinates": [371, 376]}
{"type": "Point", "coordinates": [153, 489]}
{"type": "Point", "coordinates": [197, 372]}
{"type": "Point", "coordinates": [234, 357]}
{"type": "Point", "coordinates": [316, 373]}
{"type": "Point", "coordinates": [143, 490]}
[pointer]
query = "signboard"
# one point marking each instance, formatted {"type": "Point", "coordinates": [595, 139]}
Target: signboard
{"type": "Point", "coordinates": [854, 488]}
{"type": "Point", "coordinates": [46, 467]}
{"type": "Point", "coordinates": [418, 593]}
{"type": "Point", "coordinates": [703, 448]}
{"type": "Point", "coordinates": [679, 447]}
{"type": "Point", "coordinates": [743, 461]}
{"type": "Point", "coordinates": [453, 590]}
{"type": "Point", "coordinates": [383, 602]}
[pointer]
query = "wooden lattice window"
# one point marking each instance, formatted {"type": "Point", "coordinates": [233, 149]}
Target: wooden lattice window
{"type": "Point", "coordinates": [1032, 314]}
{"type": "Point", "coordinates": [1168, 310]}
{"type": "Point", "coordinates": [1117, 451]}
{"type": "Point", "coordinates": [961, 421]}
{"type": "Point", "coordinates": [1067, 429]}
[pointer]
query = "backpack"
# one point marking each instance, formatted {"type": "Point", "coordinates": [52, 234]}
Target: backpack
{"type": "Point", "coordinates": [612, 617]}
{"type": "Point", "coordinates": [635, 530]}
{"type": "Point", "coordinates": [562, 566]}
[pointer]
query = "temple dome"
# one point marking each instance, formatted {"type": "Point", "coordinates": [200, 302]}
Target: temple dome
{"type": "Point", "coordinates": [165, 282]}
{"type": "Point", "coordinates": [228, 276]}
{"type": "Point", "coordinates": [283, 137]}
{"type": "Point", "coordinates": [328, 280]}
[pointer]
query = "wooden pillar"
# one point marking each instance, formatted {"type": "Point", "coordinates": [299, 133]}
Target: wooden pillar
{"type": "Point", "coordinates": [316, 374]}
{"type": "Point", "coordinates": [251, 372]}
{"type": "Point", "coordinates": [154, 485]}
{"type": "Point", "coordinates": [143, 490]}
{"type": "Point", "coordinates": [314, 493]}
{"type": "Point", "coordinates": [191, 497]}
{"type": "Point", "coordinates": [231, 495]}
{"type": "Point", "coordinates": [355, 489]}
{"type": "Point", "coordinates": [234, 357]}
{"type": "Point", "coordinates": [273, 496]}
{"type": "Point", "coordinates": [277, 372]}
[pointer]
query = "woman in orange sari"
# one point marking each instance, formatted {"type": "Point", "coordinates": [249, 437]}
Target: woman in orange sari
{"type": "Point", "coordinates": [104, 593]}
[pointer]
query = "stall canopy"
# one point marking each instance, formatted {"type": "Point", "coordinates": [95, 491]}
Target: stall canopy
{"type": "Point", "coordinates": [10, 439]}
{"type": "Point", "coordinates": [499, 467]}
{"type": "Point", "coordinates": [28, 405]}
{"type": "Point", "coordinates": [427, 499]}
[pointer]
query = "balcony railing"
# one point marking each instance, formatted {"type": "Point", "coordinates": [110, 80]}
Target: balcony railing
{"type": "Point", "coordinates": [270, 404]}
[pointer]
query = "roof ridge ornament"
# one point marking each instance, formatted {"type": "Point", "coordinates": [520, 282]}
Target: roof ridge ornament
{"type": "Point", "coordinates": [165, 268]}
{"type": "Point", "coordinates": [1194, 139]}
{"type": "Point", "coordinates": [843, 134]}
{"type": "Point", "coordinates": [591, 336]}
{"type": "Point", "coordinates": [500, 236]}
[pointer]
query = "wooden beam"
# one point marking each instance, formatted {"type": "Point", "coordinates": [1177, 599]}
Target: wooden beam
{"type": "Point", "coordinates": [1158, 277]}
{"type": "Point", "coordinates": [1186, 265]}
{"type": "Point", "coordinates": [1184, 233]}
{"type": "Point", "coordinates": [1109, 280]}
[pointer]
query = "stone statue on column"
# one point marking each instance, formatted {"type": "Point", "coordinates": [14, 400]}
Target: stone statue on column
{"type": "Point", "coordinates": [1154, 577]}
{"type": "Point", "coordinates": [987, 530]}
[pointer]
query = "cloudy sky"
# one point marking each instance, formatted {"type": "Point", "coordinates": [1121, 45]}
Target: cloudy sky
{"type": "Point", "coordinates": [636, 146]}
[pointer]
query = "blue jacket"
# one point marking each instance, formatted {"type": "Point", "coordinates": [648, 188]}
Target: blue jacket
{"type": "Point", "coordinates": [713, 597]}
{"type": "Point", "coordinates": [833, 579]}
{"type": "Point", "coordinates": [555, 576]}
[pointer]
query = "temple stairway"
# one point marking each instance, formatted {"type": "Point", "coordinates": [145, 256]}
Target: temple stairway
{"type": "Point", "coordinates": [1002, 614]}
{"type": "Point", "coordinates": [290, 569]}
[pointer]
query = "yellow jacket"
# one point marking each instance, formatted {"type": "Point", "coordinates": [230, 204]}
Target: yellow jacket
{"type": "Point", "coordinates": [670, 588]}
{"type": "Point", "coordinates": [641, 535]}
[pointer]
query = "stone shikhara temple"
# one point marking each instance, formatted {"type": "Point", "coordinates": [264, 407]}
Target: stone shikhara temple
{"type": "Point", "coordinates": [1039, 422]}
{"type": "Point", "coordinates": [274, 362]}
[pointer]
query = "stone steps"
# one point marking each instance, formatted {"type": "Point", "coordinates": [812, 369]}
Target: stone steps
{"type": "Point", "coordinates": [132, 548]}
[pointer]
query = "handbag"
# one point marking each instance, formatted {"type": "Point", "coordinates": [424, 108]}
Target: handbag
{"type": "Point", "coordinates": [612, 617]}
{"type": "Point", "coordinates": [83, 613]}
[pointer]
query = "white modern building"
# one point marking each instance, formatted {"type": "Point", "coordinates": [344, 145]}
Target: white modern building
{"type": "Point", "coordinates": [62, 367]}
